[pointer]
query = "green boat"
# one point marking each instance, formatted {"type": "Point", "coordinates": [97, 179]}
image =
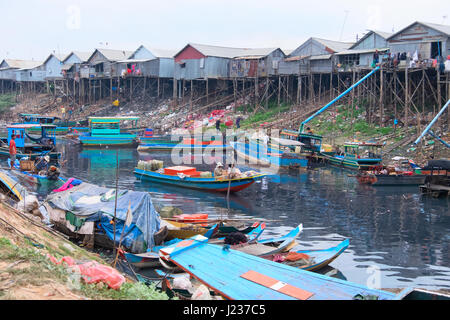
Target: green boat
{"type": "Point", "coordinates": [106, 131]}
{"type": "Point", "coordinates": [62, 127]}
{"type": "Point", "coordinates": [356, 155]}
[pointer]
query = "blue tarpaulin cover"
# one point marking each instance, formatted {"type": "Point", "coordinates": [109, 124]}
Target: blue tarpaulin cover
{"type": "Point", "coordinates": [95, 203]}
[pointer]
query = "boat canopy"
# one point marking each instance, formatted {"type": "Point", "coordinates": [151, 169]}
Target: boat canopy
{"type": "Point", "coordinates": [112, 119]}
{"type": "Point", "coordinates": [95, 203]}
{"type": "Point", "coordinates": [287, 142]}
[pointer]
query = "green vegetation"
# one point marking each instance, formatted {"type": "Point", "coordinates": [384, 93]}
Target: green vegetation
{"type": "Point", "coordinates": [339, 123]}
{"type": "Point", "coordinates": [261, 116]}
{"type": "Point", "coordinates": [128, 291]}
{"type": "Point", "coordinates": [6, 102]}
{"type": "Point", "coordinates": [36, 269]}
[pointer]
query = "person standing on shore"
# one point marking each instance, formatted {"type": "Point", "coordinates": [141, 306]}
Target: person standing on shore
{"type": "Point", "coordinates": [12, 150]}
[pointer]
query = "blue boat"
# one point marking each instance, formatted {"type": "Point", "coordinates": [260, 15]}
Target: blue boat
{"type": "Point", "coordinates": [197, 182]}
{"type": "Point", "coordinates": [312, 260]}
{"type": "Point", "coordinates": [35, 179]}
{"type": "Point", "coordinates": [357, 155]}
{"type": "Point", "coordinates": [165, 143]}
{"type": "Point", "coordinates": [239, 276]}
{"type": "Point", "coordinates": [31, 147]}
{"type": "Point", "coordinates": [150, 259]}
{"type": "Point", "coordinates": [311, 143]}
{"type": "Point", "coordinates": [105, 131]}
{"type": "Point", "coordinates": [258, 153]}
{"type": "Point", "coordinates": [62, 127]}
{"type": "Point", "coordinates": [10, 186]}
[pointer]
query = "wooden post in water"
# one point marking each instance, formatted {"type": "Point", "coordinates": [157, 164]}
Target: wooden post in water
{"type": "Point", "coordinates": [406, 98]}
{"type": "Point", "coordinates": [381, 98]}
{"type": "Point", "coordinates": [115, 202]}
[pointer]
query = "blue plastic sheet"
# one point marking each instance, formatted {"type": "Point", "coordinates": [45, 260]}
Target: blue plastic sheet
{"type": "Point", "coordinates": [92, 202]}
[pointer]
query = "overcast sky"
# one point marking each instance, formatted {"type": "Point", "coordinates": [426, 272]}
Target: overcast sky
{"type": "Point", "coordinates": [32, 29]}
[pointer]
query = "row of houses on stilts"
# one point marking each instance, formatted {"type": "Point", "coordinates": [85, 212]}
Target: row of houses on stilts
{"type": "Point", "coordinates": [419, 45]}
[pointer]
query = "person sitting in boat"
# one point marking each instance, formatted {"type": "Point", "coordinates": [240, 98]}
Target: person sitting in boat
{"type": "Point", "coordinates": [42, 164]}
{"type": "Point", "coordinates": [53, 173]}
{"type": "Point", "coordinates": [218, 171]}
{"type": "Point", "coordinates": [233, 171]}
{"type": "Point", "coordinates": [309, 130]}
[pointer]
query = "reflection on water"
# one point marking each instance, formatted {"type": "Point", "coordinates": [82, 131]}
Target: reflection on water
{"type": "Point", "coordinates": [394, 231]}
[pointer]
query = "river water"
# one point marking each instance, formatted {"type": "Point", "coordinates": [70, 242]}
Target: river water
{"type": "Point", "coordinates": [398, 238]}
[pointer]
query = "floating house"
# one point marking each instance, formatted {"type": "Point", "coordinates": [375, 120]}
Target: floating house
{"type": "Point", "coordinates": [100, 63]}
{"type": "Point", "coordinates": [53, 66]}
{"type": "Point", "coordinates": [198, 61]}
{"type": "Point", "coordinates": [21, 70]}
{"type": "Point", "coordinates": [73, 62]}
{"type": "Point", "coordinates": [147, 62]}
{"type": "Point", "coordinates": [430, 40]}
{"type": "Point", "coordinates": [315, 55]}
{"type": "Point", "coordinates": [362, 52]}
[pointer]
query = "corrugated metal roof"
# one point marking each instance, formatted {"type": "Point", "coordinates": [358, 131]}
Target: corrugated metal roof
{"type": "Point", "coordinates": [321, 57]}
{"type": "Point", "coordinates": [60, 57]}
{"type": "Point", "coordinates": [439, 27]}
{"type": "Point", "coordinates": [287, 51]}
{"type": "Point", "coordinates": [445, 29]}
{"type": "Point", "coordinates": [158, 53]}
{"type": "Point", "coordinates": [336, 46]}
{"type": "Point", "coordinates": [22, 64]}
{"type": "Point", "coordinates": [382, 34]}
{"type": "Point", "coordinates": [115, 55]}
{"type": "Point", "coordinates": [134, 60]}
{"type": "Point", "coordinates": [295, 58]}
{"type": "Point", "coordinates": [162, 53]}
{"type": "Point", "coordinates": [67, 66]}
{"type": "Point", "coordinates": [83, 56]}
{"type": "Point", "coordinates": [228, 52]}
{"type": "Point", "coordinates": [351, 51]}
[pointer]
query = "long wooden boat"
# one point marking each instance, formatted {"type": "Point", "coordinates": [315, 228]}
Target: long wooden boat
{"type": "Point", "coordinates": [28, 146]}
{"type": "Point", "coordinates": [105, 131]}
{"type": "Point", "coordinates": [391, 180]}
{"type": "Point", "coordinates": [312, 259]}
{"type": "Point", "coordinates": [191, 179]}
{"type": "Point", "coordinates": [36, 179]}
{"type": "Point", "coordinates": [259, 154]}
{"type": "Point", "coordinates": [61, 127]}
{"type": "Point", "coordinates": [151, 259]}
{"type": "Point", "coordinates": [271, 246]}
{"type": "Point", "coordinates": [10, 186]}
{"type": "Point", "coordinates": [354, 157]}
{"type": "Point", "coordinates": [240, 276]}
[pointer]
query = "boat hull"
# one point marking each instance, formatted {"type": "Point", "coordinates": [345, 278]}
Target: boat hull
{"type": "Point", "coordinates": [4, 151]}
{"type": "Point", "coordinates": [351, 163]}
{"type": "Point", "coordinates": [260, 155]}
{"type": "Point", "coordinates": [205, 184]}
{"type": "Point", "coordinates": [398, 180]}
{"type": "Point", "coordinates": [176, 146]}
{"type": "Point", "coordinates": [89, 141]}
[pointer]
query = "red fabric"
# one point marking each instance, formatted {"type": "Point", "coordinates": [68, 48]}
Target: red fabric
{"type": "Point", "coordinates": [12, 147]}
{"type": "Point", "coordinates": [93, 272]}
{"type": "Point", "coordinates": [295, 256]}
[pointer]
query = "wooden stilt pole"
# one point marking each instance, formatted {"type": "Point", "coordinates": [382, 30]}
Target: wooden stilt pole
{"type": "Point", "coordinates": [381, 98]}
